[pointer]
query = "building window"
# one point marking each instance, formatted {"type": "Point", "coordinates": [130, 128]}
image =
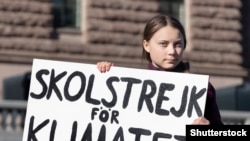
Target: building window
{"type": "Point", "coordinates": [174, 8]}
{"type": "Point", "coordinates": [67, 13]}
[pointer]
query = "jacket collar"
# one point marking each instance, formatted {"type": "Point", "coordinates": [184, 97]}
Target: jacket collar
{"type": "Point", "coordinates": [181, 67]}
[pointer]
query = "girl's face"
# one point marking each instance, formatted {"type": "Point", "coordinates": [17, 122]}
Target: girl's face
{"type": "Point", "coordinates": [165, 48]}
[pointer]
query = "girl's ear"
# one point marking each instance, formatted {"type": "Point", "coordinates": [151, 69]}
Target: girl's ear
{"type": "Point", "coordinates": [146, 45]}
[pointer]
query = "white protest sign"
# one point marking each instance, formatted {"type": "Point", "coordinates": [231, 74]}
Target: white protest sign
{"type": "Point", "coordinates": [75, 102]}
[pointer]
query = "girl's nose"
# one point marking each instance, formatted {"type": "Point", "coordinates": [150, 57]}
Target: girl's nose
{"type": "Point", "coordinates": [170, 49]}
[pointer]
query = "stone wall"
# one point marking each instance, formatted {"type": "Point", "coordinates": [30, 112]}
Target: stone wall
{"type": "Point", "coordinates": [215, 27]}
{"type": "Point", "coordinates": [113, 32]}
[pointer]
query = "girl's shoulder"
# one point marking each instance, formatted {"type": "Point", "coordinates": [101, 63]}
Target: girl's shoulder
{"type": "Point", "coordinates": [211, 93]}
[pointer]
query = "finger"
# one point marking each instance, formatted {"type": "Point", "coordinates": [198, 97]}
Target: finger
{"type": "Point", "coordinates": [99, 66]}
{"type": "Point", "coordinates": [204, 120]}
{"type": "Point", "coordinates": [103, 68]}
{"type": "Point", "coordinates": [108, 66]}
{"type": "Point", "coordinates": [201, 121]}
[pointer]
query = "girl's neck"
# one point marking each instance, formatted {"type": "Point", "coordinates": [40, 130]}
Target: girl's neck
{"type": "Point", "coordinates": [181, 67]}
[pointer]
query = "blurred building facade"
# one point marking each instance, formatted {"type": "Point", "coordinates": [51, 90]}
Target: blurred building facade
{"type": "Point", "coordinates": [89, 31]}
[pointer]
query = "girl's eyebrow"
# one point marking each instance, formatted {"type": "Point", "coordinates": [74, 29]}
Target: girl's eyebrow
{"type": "Point", "coordinates": [163, 41]}
{"type": "Point", "coordinates": [178, 40]}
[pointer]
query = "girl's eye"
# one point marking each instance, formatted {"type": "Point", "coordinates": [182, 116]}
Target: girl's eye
{"type": "Point", "coordinates": [178, 45]}
{"type": "Point", "coordinates": [163, 44]}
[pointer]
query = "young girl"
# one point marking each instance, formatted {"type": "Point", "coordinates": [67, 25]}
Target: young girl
{"type": "Point", "coordinates": [164, 42]}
